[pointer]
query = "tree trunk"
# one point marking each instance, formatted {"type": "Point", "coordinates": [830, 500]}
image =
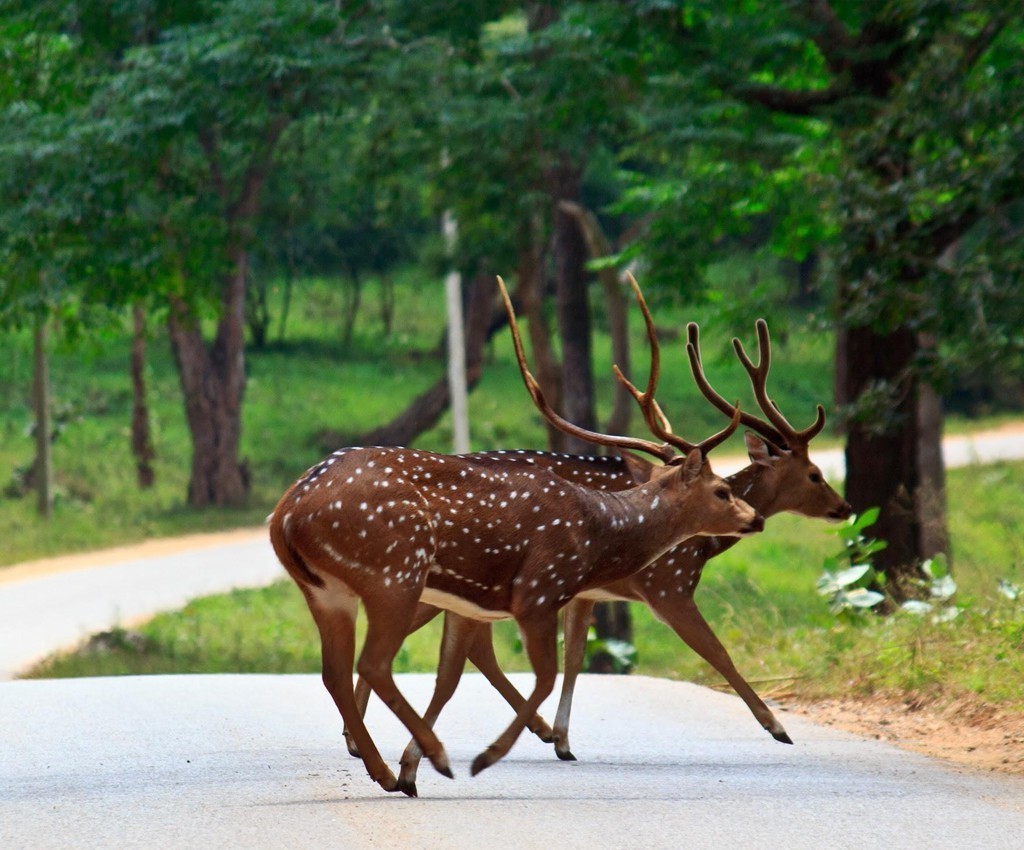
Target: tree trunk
{"type": "Point", "coordinates": [573, 308]}
{"type": "Point", "coordinates": [618, 316]}
{"type": "Point", "coordinates": [142, 439]}
{"type": "Point", "coordinates": [213, 383]}
{"type": "Point", "coordinates": [43, 466]}
{"type": "Point", "coordinates": [931, 499]}
{"type": "Point", "coordinates": [882, 457]}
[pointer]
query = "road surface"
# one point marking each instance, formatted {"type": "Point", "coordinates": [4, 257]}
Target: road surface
{"type": "Point", "coordinates": [257, 762]}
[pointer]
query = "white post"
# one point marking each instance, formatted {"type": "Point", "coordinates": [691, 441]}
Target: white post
{"type": "Point", "coordinates": [456, 342]}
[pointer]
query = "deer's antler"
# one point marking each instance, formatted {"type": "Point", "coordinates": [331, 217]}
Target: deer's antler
{"type": "Point", "coordinates": [652, 412]}
{"type": "Point", "coordinates": [662, 452]}
{"type": "Point", "coordinates": [777, 430]}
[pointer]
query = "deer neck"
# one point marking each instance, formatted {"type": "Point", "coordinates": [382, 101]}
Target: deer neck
{"type": "Point", "coordinates": [631, 528]}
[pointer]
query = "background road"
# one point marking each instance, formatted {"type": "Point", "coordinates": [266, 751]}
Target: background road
{"type": "Point", "coordinates": [257, 761]}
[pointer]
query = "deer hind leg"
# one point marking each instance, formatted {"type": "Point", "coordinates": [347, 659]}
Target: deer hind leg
{"type": "Point", "coordinates": [575, 626]}
{"type": "Point", "coordinates": [481, 653]}
{"type": "Point", "coordinates": [687, 621]}
{"type": "Point", "coordinates": [459, 633]}
{"type": "Point", "coordinates": [336, 623]}
{"type": "Point", "coordinates": [386, 626]}
{"type": "Point", "coordinates": [540, 635]}
{"type": "Point", "coordinates": [424, 614]}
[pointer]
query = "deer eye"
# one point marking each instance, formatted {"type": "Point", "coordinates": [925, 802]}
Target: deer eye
{"type": "Point", "coordinates": [815, 477]}
{"type": "Point", "coordinates": [722, 493]}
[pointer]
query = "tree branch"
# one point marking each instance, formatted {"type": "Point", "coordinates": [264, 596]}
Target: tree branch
{"type": "Point", "coordinates": [830, 35]}
{"type": "Point", "coordinates": [976, 47]}
{"type": "Point", "coordinates": [208, 141]}
{"type": "Point", "coordinates": [791, 101]}
{"type": "Point", "coordinates": [256, 174]}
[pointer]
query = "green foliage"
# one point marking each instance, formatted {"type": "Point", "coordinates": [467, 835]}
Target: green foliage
{"type": "Point", "coordinates": [849, 575]}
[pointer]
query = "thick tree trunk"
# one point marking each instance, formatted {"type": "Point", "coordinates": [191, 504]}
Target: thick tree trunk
{"type": "Point", "coordinates": [43, 467]}
{"type": "Point", "coordinates": [142, 439]}
{"type": "Point", "coordinates": [931, 499]}
{"type": "Point", "coordinates": [882, 450]}
{"type": "Point", "coordinates": [573, 308]}
{"type": "Point", "coordinates": [213, 382]}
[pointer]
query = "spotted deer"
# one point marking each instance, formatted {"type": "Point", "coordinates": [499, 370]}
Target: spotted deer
{"type": "Point", "coordinates": [780, 478]}
{"type": "Point", "coordinates": [387, 527]}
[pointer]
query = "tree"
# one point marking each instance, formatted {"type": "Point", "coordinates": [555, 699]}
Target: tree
{"type": "Point", "coordinates": [900, 123]}
{"type": "Point", "coordinates": [196, 115]}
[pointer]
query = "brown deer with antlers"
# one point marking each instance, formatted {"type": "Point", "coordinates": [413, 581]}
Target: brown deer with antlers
{"type": "Point", "coordinates": [389, 526]}
{"type": "Point", "coordinates": [780, 478]}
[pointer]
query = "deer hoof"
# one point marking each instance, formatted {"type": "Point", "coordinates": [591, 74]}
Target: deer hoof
{"type": "Point", "coordinates": [353, 750]}
{"type": "Point", "coordinates": [544, 732]}
{"type": "Point", "coordinates": [407, 787]}
{"type": "Point", "coordinates": [565, 755]}
{"type": "Point", "coordinates": [782, 736]}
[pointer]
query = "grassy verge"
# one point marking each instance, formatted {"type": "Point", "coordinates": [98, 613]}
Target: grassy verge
{"type": "Point", "coordinates": [759, 597]}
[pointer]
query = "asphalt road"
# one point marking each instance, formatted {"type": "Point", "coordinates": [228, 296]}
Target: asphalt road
{"type": "Point", "coordinates": [257, 761]}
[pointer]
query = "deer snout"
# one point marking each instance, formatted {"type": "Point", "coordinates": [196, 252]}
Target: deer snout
{"type": "Point", "coordinates": [754, 526]}
{"type": "Point", "coordinates": [844, 511]}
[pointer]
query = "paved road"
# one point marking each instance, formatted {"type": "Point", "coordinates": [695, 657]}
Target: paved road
{"type": "Point", "coordinates": [50, 605]}
{"type": "Point", "coordinates": [256, 761]}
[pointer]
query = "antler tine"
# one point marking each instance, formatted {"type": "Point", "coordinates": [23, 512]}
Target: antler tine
{"type": "Point", "coordinates": [705, 446]}
{"type": "Point", "coordinates": [533, 387]}
{"type": "Point", "coordinates": [758, 380]}
{"type": "Point", "coordinates": [709, 392]}
{"type": "Point", "coordinates": [654, 416]}
{"type": "Point", "coordinates": [652, 412]}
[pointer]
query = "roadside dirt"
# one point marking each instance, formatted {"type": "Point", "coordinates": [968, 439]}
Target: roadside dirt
{"type": "Point", "coordinates": [973, 735]}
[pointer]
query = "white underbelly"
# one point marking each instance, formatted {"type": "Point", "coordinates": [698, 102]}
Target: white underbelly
{"type": "Point", "coordinates": [599, 594]}
{"type": "Point", "coordinates": [461, 606]}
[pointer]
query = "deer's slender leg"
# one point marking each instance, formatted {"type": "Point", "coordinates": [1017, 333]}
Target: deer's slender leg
{"type": "Point", "coordinates": [459, 633]}
{"type": "Point", "coordinates": [386, 617]}
{"type": "Point", "coordinates": [481, 653]}
{"type": "Point", "coordinates": [424, 614]}
{"type": "Point", "coordinates": [540, 635]}
{"type": "Point", "coordinates": [337, 625]}
{"type": "Point", "coordinates": [575, 625]}
{"type": "Point", "coordinates": [687, 621]}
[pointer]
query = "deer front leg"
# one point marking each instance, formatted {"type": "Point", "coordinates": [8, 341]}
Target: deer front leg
{"type": "Point", "coordinates": [385, 616]}
{"type": "Point", "coordinates": [481, 653]}
{"type": "Point", "coordinates": [459, 633]}
{"type": "Point", "coordinates": [424, 614]}
{"type": "Point", "coordinates": [336, 624]}
{"type": "Point", "coordinates": [576, 624]}
{"type": "Point", "coordinates": [685, 618]}
{"type": "Point", "coordinates": [540, 636]}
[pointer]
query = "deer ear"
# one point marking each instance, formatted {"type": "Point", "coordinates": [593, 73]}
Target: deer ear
{"type": "Point", "coordinates": [639, 468]}
{"type": "Point", "coordinates": [758, 449]}
{"type": "Point", "coordinates": [692, 467]}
